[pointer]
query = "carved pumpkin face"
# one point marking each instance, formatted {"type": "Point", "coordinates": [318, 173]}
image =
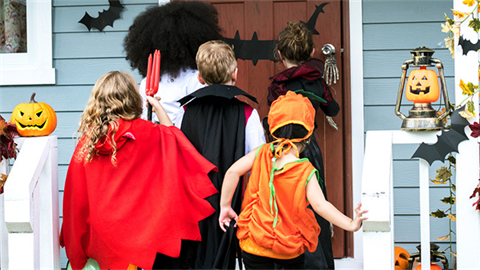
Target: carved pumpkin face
{"type": "Point", "coordinates": [401, 258]}
{"type": "Point", "coordinates": [422, 86]}
{"type": "Point", "coordinates": [34, 118]}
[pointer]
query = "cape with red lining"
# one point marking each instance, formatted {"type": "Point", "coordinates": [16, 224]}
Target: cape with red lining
{"type": "Point", "coordinates": [148, 203]}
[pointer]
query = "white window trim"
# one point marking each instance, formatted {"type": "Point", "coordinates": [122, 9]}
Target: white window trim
{"type": "Point", "coordinates": [34, 66]}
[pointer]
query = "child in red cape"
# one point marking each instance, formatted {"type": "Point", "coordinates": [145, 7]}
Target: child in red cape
{"type": "Point", "coordinates": [133, 188]}
{"type": "Point", "coordinates": [275, 225]}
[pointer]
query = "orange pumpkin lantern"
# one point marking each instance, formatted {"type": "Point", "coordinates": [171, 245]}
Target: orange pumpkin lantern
{"type": "Point", "coordinates": [433, 266]}
{"type": "Point", "coordinates": [401, 258]}
{"type": "Point", "coordinates": [422, 86]}
{"type": "Point", "coordinates": [34, 118]}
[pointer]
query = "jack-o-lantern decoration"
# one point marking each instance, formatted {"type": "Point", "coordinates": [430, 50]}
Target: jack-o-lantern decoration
{"type": "Point", "coordinates": [401, 258]}
{"type": "Point", "coordinates": [433, 266]}
{"type": "Point", "coordinates": [422, 86]}
{"type": "Point", "coordinates": [34, 118]}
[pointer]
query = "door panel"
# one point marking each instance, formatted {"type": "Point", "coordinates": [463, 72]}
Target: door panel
{"type": "Point", "coordinates": [267, 18]}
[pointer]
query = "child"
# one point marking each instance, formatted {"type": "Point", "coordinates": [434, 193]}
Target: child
{"type": "Point", "coordinates": [119, 207]}
{"type": "Point", "coordinates": [295, 49]}
{"type": "Point", "coordinates": [222, 129]}
{"type": "Point", "coordinates": [275, 225]}
{"type": "Point", "coordinates": [177, 29]}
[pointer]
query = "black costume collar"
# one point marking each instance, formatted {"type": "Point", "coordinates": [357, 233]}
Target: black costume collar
{"type": "Point", "coordinates": [216, 90]}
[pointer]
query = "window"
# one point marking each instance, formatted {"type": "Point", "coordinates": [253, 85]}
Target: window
{"type": "Point", "coordinates": [35, 65]}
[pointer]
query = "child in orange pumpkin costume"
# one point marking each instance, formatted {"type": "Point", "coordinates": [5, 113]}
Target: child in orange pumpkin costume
{"type": "Point", "coordinates": [275, 225]}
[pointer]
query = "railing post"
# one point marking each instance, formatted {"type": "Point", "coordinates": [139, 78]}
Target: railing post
{"type": "Point", "coordinates": [3, 227]}
{"type": "Point", "coordinates": [31, 206]}
{"type": "Point", "coordinates": [377, 198]}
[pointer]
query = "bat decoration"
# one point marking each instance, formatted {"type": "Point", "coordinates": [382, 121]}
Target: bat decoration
{"type": "Point", "coordinates": [252, 49]}
{"type": "Point", "coordinates": [106, 17]}
{"type": "Point", "coordinates": [255, 49]}
{"type": "Point", "coordinates": [447, 141]}
{"type": "Point", "coordinates": [467, 45]}
{"type": "Point", "coordinates": [313, 20]}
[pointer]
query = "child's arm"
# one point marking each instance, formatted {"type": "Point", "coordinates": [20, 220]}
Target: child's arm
{"type": "Point", "coordinates": [230, 182]}
{"type": "Point", "coordinates": [159, 111]}
{"type": "Point", "coordinates": [329, 212]}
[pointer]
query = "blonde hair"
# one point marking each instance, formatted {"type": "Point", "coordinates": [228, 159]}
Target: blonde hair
{"type": "Point", "coordinates": [216, 62]}
{"type": "Point", "coordinates": [115, 95]}
{"type": "Point", "coordinates": [295, 43]}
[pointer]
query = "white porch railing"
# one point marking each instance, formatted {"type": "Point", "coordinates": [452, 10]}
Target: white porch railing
{"type": "Point", "coordinates": [377, 197]}
{"type": "Point", "coordinates": [29, 210]}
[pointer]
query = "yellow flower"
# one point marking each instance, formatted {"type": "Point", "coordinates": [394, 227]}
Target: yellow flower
{"type": "Point", "coordinates": [469, 2]}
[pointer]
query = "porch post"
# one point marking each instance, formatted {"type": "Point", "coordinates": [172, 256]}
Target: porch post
{"type": "Point", "coordinates": [3, 227]}
{"type": "Point", "coordinates": [468, 219]}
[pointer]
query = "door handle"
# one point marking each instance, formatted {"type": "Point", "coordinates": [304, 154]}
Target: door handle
{"type": "Point", "coordinates": [331, 70]}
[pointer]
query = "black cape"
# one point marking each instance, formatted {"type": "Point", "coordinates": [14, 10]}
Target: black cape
{"type": "Point", "coordinates": [214, 122]}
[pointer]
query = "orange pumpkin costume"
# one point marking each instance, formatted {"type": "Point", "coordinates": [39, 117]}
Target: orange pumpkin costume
{"type": "Point", "coordinates": [275, 221]}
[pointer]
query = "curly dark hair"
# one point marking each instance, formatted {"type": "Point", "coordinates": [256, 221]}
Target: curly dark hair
{"type": "Point", "coordinates": [177, 29]}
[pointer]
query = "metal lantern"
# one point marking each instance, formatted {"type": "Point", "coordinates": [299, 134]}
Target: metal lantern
{"type": "Point", "coordinates": [435, 255]}
{"type": "Point", "coordinates": [422, 89]}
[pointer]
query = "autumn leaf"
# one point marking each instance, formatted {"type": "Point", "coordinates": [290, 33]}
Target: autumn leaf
{"type": "Point", "coordinates": [452, 159]}
{"type": "Point", "coordinates": [440, 112]}
{"type": "Point", "coordinates": [465, 114]}
{"type": "Point", "coordinates": [448, 200]}
{"type": "Point", "coordinates": [454, 188]}
{"type": "Point", "coordinates": [438, 214]}
{"type": "Point", "coordinates": [475, 128]}
{"type": "Point", "coordinates": [450, 45]}
{"type": "Point", "coordinates": [437, 182]}
{"type": "Point", "coordinates": [443, 174]}
{"type": "Point", "coordinates": [469, 2]}
{"type": "Point", "coordinates": [475, 24]}
{"type": "Point", "coordinates": [446, 237]}
{"type": "Point", "coordinates": [471, 107]}
{"type": "Point", "coordinates": [3, 126]}
{"type": "Point", "coordinates": [467, 89]}
{"type": "Point", "coordinates": [449, 21]}
{"type": "Point", "coordinates": [446, 27]}
{"type": "Point", "coordinates": [460, 14]}
{"type": "Point", "coordinates": [452, 217]}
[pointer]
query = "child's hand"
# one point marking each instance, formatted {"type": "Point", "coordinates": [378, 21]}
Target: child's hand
{"type": "Point", "coordinates": [226, 215]}
{"type": "Point", "coordinates": [154, 101]}
{"type": "Point", "coordinates": [357, 222]}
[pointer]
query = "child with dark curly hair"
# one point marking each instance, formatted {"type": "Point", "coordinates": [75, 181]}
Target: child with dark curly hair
{"type": "Point", "coordinates": [177, 29]}
{"type": "Point", "coordinates": [295, 48]}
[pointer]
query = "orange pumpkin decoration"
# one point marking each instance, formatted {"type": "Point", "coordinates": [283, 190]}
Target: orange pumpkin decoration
{"type": "Point", "coordinates": [433, 266]}
{"type": "Point", "coordinates": [422, 86]}
{"type": "Point", "coordinates": [34, 118]}
{"type": "Point", "coordinates": [401, 258]}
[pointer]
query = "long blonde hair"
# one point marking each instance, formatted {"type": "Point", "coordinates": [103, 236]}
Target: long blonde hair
{"type": "Point", "coordinates": [115, 95]}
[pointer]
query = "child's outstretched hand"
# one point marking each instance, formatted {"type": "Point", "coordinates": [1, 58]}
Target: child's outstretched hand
{"type": "Point", "coordinates": [226, 215]}
{"type": "Point", "coordinates": [159, 111]}
{"type": "Point", "coordinates": [357, 222]}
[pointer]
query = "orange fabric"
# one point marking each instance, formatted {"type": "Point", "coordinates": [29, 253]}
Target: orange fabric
{"type": "Point", "coordinates": [296, 229]}
{"type": "Point", "coordinates": [248, 245]}
{"type": "Point", "coordinates": [291, 108]}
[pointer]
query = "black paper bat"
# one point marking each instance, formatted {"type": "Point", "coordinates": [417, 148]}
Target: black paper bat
{"type": "Point", "coordinates": [106, 17]}
{"type": "Point", "coordinates": [313, 20]}
{"type": "Point", "coordinates": [255, 49]}
{"type": "Point", "coordinates": [447, 141]}
{"type": "Point", "coordinates": [467, 45]}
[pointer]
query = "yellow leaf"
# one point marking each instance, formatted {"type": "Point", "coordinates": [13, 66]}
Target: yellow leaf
{"type": "Point", "coordinates": [452, 217]}
{"type": "Point", "coordinates": [443, 238]}
{"type": "Point", "coordinates": [438, 182]}
{"type": "Point", "coordinates": [445, 27]}
{"type": "Point", "coordinates": [469, 2]}
{"type": "Point", "coordinates": [466, 114]}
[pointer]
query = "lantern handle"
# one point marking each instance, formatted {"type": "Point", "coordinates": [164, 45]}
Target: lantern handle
{"type": "Point", "coordinates": [400, 89]}
{"type": "Point", "coordinates": [439, 65]}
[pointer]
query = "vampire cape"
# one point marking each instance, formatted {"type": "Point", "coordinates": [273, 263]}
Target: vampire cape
{"type": "Point", "coordinates": [214, 121]}
{"type": "Point", "coordinates": [152, 199]}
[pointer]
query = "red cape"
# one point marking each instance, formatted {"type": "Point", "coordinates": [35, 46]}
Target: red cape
{"type": "Point", "coordinates": [152, 199]}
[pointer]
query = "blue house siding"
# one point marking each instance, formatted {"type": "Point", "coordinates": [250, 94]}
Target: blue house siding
{"type": "Point", "coordinates": [391, 29]}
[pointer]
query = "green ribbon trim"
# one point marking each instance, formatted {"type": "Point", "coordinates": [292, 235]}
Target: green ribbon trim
{"type": "Point", "coordinates": [310, 95]}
